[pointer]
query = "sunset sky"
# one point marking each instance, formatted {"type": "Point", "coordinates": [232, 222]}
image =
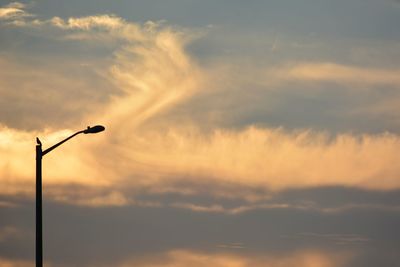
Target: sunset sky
{"type": "Point", "coordinates": [238, 133]}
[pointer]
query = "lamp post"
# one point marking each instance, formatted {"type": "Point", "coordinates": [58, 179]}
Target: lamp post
{"type": "Point", "coordinates": [39, 156]}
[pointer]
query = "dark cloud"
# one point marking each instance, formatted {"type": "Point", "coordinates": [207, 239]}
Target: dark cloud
{"type": "Point", "coordinates": [84, 236]}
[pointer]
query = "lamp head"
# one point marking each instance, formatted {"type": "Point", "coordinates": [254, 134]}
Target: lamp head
{"type": "Point", "coordinates": [94, 129]}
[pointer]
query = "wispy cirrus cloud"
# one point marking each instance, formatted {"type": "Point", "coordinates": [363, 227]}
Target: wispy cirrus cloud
{"type": "Point", "coordinates": [314, 73]}
{"type": "Point", "coordinates": [151, 72]}
{"type": "Point", "coordinates": [273, 158]}
{"type": "Point", "coordinates": [265, 205]}
{"type": "Point", "coordinates": [151, 69]}
{"type": "Point", "coordinates": [339, 239]}
{"type": "Point", "coordinates": [206, 160]}
{"type": "Point", "coordinates": [336, 73]}
{"type": "Point", "coordinates": [180, 258]}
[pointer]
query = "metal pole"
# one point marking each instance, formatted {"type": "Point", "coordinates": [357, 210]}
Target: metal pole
{"type": "Point", "coordinates": [39, 155]}
{"type": "Point", "coordinates": [39, 237]}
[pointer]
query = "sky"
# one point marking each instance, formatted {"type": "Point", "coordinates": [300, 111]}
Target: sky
{"type": "Point", "coordinates": [238, 133]}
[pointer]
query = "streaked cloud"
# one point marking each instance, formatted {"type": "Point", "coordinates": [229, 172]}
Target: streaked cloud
{"type": "Point", "coordinates": [339, 239]}
{"type": "Point", "coordinates": [343, 74]}
{"type": "Point", "coordinates": [7, 204]}
{"type": "Point", "coordinates": [233, 138]}
{"type": "Point", "coordinates": [276, 159]}
{"type": "Point", "coordinates": [145, 235]}
{"type": "Point", "coordinates": [312, 73]}
{"type": "Point", "coordinates": [153, 73]}
{"type": "Point", "coordinates": [269, 159]}
{"type": "Point", "coordinates": [14, 263]}
{"type": "Point", "coordinates": [9, 232]}
{"type": "Point", "coordinates": [182, 258]}
{"type": "Point", "coordinates": [236, 245]}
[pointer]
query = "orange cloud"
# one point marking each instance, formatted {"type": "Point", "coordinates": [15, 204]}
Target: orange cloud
{"type": "Point", "coordinates": [154, 73]}
{"type": "Point", "coordinates": [253, 158]}
{"type": "Point", "coordinates": [183, 258]}
{"type": "Point", "coordinates": [341, 73]}
{"type": "Point", "coordinates": [14, 10]}
{"type": "Point", "coordinates": [269, 158]}
{"type": "Point", "coordinates": [14, 263]}
{"type": "Point", "coordinates": [336, 73]}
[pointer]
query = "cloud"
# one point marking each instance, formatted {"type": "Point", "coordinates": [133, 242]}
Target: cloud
{"type": "Point", "coordinates": [313, 74]}
{"type": "Point", "coordinates": [13, 11]}
{"type": "Point", "coordinates": [7, 204]}
{"type": "Point", "coordinates": [271, 158]}
{"type": "Point", "coordinates": [9, 232]}
{"type": "Point", "coordinates": [14, 263]}
{"type": "Point", "coordinates": [339, 239]}
{"type": "Point", "coordinates": [367, 65]}
{"type": "Point", "coordinates": [180, 258]}
{"type": "Point", "coordinates": [352, 76]}
{"type": "Point", "coordinates": [152, 73]}
{"type": "Point", "coordinates": [265, 235]}
{"type": "Point", "coordinates": [198, 173]}
{"type": "Point", "coordinates": [105, 27]}
{"type": "Point", "coordinates": [102, 27]}
{"type": "Point", "coordinates": [109, 22]}
{"type": "Point", "coordinates": [255, 158]}
{"type": "Point", "coordinates": [243, 208]}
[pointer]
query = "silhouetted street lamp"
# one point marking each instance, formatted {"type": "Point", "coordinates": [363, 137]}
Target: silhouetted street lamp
{"type": "Point", "coordinates": [39, 156]}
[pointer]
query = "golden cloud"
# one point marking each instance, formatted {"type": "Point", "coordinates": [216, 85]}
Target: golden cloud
{"type": "Point", "coordinates": [89, 22]}
{"type": "Point", "coordinates": [154, 73]}
{"type": "Point", "coordinates": [183, 258]}
{"type": "Point", "coordinates": [14, 263]}
{"type": "Point", "coordinates": [337, 73]}
{"type": "Point", "coordinates": [271, 158]}
{"type": "Point", "coordinates": [262, 158]}
{"type": "Point", "coordinates": [14, 10]}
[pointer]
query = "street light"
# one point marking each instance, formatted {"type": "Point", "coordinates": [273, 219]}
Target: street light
{"type": "Point", "coordinates": [39, 156]}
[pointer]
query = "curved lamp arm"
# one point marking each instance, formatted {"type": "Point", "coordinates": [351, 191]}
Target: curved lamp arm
{"type": "Point", "coordinates": [60, 143]}
{"type": "Point", "coordinates": [89, 130]}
